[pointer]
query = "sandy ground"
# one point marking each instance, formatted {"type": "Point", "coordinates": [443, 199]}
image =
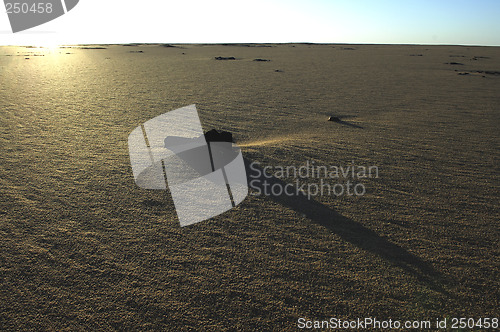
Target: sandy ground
{"type": "Point", "coordinates": [82, 247]}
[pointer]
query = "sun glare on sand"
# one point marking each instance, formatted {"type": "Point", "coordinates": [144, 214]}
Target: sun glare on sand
{"type": "Point", "coordinates": [49, 46]}
{"type": "Point", "coordinates": [47, 41]}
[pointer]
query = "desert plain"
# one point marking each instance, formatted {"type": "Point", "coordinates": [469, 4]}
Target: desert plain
{"type": "Point", "coordinates": [83, 248]}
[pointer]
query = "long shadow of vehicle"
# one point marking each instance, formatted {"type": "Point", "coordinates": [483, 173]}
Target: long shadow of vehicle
{"type": "Point", "coordinates": [348, 229]}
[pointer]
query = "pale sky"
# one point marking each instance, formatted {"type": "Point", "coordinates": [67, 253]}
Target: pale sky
{"type": "Point", "coordinates": [474, 22]}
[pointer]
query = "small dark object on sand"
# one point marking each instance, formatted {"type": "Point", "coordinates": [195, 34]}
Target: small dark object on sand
{"type": "Point", "coordinates": [278, 71]}
{"type": "Point", "coordinates": [225, 58]}
{"type": "Point", "coordinates": [261, 60]}
{"type": "Point", "coordinates": [92, 48]}
{"type": "Point", "coordinates": [454, 63]}
{"type": "Point", "coordinates": [334, 119]}
{"type": "Point", "coordinates": [489, 72]}
{"type": "Point", "coordinates": [463, 73]}
{"type": "Point", "coordinates": [216, 136]}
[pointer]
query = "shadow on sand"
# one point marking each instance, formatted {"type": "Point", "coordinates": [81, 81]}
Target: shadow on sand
{"type": "Point", "coordinates": [348, 229]}
{"type": "Point", "coordinates": [340, 120]}
{"type": "Point", "coordinates": [348, 124]}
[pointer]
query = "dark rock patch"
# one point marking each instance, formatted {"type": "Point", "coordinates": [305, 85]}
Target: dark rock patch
{"type": "Point", "coordinates": [225, 58]}
{"type": "Point", "coordinates": [30, 54]}
{"type": "Point", "coordinates": [247, 45]}
{"type": "Point", "coordinates": [334, 119]}
{"type": "Point", "coordinates": [483, 72]}
{"type": "Point", "coordinates": [216, 136]}
{"type": "Point", "coordinates": [488, 72]}
{"type": "Point", "coordinates": [475, 58]}
{"type": "Point", "coordinates": [92, 48]}
{"type": "Point", "coordinates": [261, 60]}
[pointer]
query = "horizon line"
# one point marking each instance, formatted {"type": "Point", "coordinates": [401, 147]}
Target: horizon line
{"type": "Point", "coordinates": [264, 43]}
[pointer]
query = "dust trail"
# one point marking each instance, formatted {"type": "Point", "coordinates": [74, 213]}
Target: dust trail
{"type": "Point", "coordinates": [269, 141]}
